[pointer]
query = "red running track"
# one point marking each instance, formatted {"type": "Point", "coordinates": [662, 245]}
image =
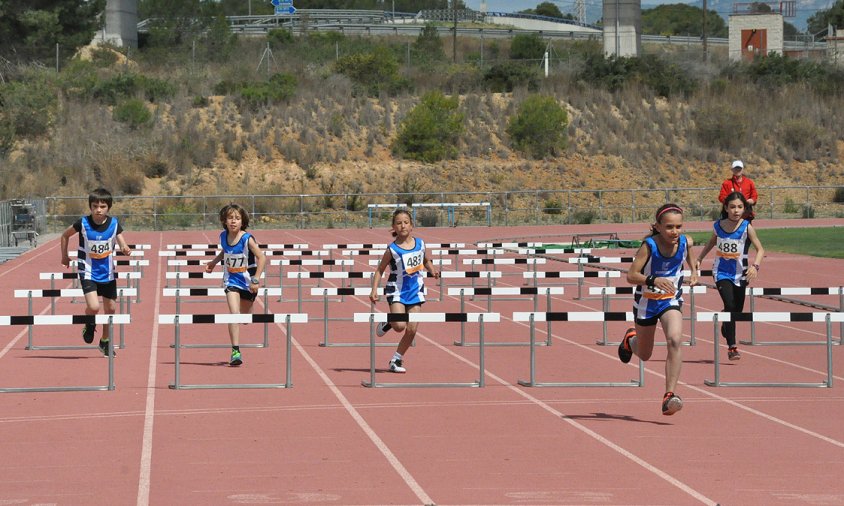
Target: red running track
{"type": "Point", "coordinates": [328, 440]}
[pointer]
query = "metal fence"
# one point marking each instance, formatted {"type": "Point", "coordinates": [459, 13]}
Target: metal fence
{"type": "Point", "coordinates": [353, 210]}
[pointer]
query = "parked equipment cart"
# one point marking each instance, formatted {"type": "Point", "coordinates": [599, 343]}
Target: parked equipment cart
{"type": "Point", "coordinates": [23, 223]}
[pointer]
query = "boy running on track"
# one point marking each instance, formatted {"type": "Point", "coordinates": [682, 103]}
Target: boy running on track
{"type": "Point", "coordinates": [733, 235]}
{"type": "Point", "coordinates": [98, 235]}
{"type": "Point", "coordinates": [657, 270]}
{"type": "Point", "coordinates": [405, 289]}
{"type": "Point", "coordinates": [243, 263]}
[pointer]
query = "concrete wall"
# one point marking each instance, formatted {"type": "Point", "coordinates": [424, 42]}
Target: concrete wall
{"type": "Point", "coordinates": [622, 27]}
{"type": "Point", "coordinates": [121, 26]}
{"type": "Point", "coordinates": [745, 28]}
{"type": "Point", "coordinates": [537, 24]}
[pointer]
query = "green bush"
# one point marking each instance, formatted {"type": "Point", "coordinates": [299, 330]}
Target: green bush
{"type": "Point", "coordinates": [133, 112]}
{"type": "Point", "coordinates": [539, 127]}
{"type": "Point", "coordinates": [552, 205]}
{"type": "Point", "coordinates": [27, 107]}
{"type": "Point", "coordinates": [838, 198]}
{"type": "Point", "coordinates": [789, 206]}
{"type": "Point", "coordinates": [808, 211]}
{"type": "Point", "coordinates": [280, 37]}
{"type": "Point", "coordinates": [721, 126]}
{"type": "Point", "coordinates": [431, 130]}
{"type": "Point", "coordinates": [613, 74]}
{"type": "Point", "coordinates": [371, 72]}
{"type": "Point", "coordinates": [280, 88]}
{"type": "Point", "coordinates": [429, 218]}
{"type": "Point", "coordinates": [428, 46]}
{"type": "Point", "coordinates": [527, 47]}
{"type": "Point", "coordinates": [505, 77]}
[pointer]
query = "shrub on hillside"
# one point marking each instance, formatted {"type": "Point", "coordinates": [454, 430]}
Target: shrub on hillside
{"type": "Point", "coordinates": [280, 37]}
{"type": "Point", "coordinates": [539, 127]}
{"type": "Point", "coordinates": [280, 88]}
{"type": "Point", "coordinates": [505, 77]}
{"type": "Point", "coordinates": [371, 72]}
{"type": "Point", "coordinates": [431, 130]}
{"type": "Point", "coordinates": [803, 137]}
{"type": "Point", "coordinates": [26, 108]}
{"type": "Point", "coordinates": [527, 47]}
{"type": "Point", "coordinates": [428, 46]}
{"type": "Point", "coordinates": [664, 78]}
{"type": "Point", "coordinates": [133, 112]}
{"type": "Point", "coordinates": [721, 126]}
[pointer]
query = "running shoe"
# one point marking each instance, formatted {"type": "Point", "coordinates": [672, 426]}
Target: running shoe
{"type": "Point", "coordinates": [625, 353]}
{"type": "Point", "coordinates": [395, 366]}
{"type": "Point", "coordinates": [733, 353]}
{"type": "Point", "coordinates": [671, 403]}
{"type": "Point", "coordinates": [236, 358]}
{"type": "Point", "coordinates": [382, 329]}
{"type": "Point", "coordinates": [88, 332]}
{"type": "Point", "coordinates": [103, 346]}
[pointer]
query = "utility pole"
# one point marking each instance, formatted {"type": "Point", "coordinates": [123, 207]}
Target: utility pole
{"type": "Point", "coordinates": [454, 35]}
{"type": "Point", "coordinates": [704, 31]}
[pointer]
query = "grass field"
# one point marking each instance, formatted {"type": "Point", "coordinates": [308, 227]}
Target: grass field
{"type": "Point", "coordinates": [817, 242]}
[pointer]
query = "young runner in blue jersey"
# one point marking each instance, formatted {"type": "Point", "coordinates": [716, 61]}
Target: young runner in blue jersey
{"type": "Point", "coordinates": [657, 270]}
{"type": "Point", "coordinates": [99, 235]}
{"type": "Point", "coordinates": [243, 262]}
{"type": "Point", "coordinates": [405, 290]}
{"type": "Point", "coordinates": [732, 237]}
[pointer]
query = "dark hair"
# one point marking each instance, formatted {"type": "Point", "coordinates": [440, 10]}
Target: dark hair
{"type": "Point", "coordinates": [400, 210]}
{"type": "Point", "coordinates": [729, 198]}
{"type": "Point", "coordinates": [100, 195]}
{"type": "Point", "coordinates": [664, 209]}
{"type": "Point", "coordinates": [226, 210]}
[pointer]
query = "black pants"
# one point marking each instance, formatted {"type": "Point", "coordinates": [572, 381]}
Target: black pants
{"type": "Point", "coordinates": [733, 298]}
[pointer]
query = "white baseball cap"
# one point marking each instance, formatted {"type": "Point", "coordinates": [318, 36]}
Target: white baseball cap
{"type": "Point", "coordinates": [737, 164]}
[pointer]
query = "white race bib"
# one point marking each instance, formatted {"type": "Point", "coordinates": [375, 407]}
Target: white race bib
{"type": "Point", "coordinates": [235, 262]}
{"type": "Point", "coordinates": [99, 249]}
{"type": "Point", "coordinates": [413, 261]}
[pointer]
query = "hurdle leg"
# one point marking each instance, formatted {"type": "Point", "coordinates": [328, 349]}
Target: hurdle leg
{"type": "Point", "coordinates": [841, 309]}
{"type": "Point", "coordinates": [325, 318]}
{"type": "Point", "coordinates": [29, 327]}
{"type": "Point", "coordinates": [548, 335]}
{"type": "Point", "coordinates": [299, 291]}
{"type": "Point", "coordinates": [462, 341]}
{"type": "Point", "coordinates": [605, 304]}
{"type": "Point", "coordinates": [266, 325]}
{"type": "Point", "coordinates": [752, 341]}
{"type": "Point", "coordinates": [371, 382]}
{"type": "Point", "coordinates": [481, 357]}
{"type": "Point", "coordinates": [532, 380]}
{"type": "Point", "coordinates": [288, 378]}
{"type": "Point", "coordinates": [176, 385]}
{"type": "Point", "coordinates": [717, 381]}
{"type": "Point", "coordinates": [111, 353]}
{"type": "Point", "coordinates": [828, 351]}
{"type": "Point", "coordinates": [122, 336]}
{"type": "Point", "coordinates": [692, 316]}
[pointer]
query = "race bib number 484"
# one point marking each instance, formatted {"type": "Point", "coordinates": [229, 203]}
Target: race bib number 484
{"type": "Point", "coordinates": [99, 249]}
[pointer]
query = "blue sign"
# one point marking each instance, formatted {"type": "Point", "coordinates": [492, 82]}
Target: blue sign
{"type": "Point", "coordinates": [283, 6]}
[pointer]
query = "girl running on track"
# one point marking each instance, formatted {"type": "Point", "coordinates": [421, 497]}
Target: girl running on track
{"type": "Point", "coordinates": [657, 270]}
{"type": "Point", "coordinates": [243, 263]}
{"type": "Point", "coordinates": [733, 235]}
{"type": "Point", "coordinates": [405, 290]}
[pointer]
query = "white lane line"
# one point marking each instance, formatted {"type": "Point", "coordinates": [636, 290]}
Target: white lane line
{"type": "Point", "coordinates": [149, 410]}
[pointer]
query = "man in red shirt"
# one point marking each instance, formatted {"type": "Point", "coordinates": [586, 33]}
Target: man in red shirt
{"type": "Point", "coordinates": [740, 183]}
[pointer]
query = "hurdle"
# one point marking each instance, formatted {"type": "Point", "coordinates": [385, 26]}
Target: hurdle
{"type": "Point", "coordinates": [588, 316]}
{"type": "Point", "coordinates": [317, 262]}
{"type": "Point", "coordinates": [553, 251]}
{"type": "Point", "coordinates": [355, 291]}
{"type": "Point", "coordinates": [128, 276]}
{"type": "Point", "coordinates": [579, 275]}
{"type": "Point", "coordinates": [52, 294]}
{"type": "Point", "coordinates": [109, 320]}
{"type": "Point", "coordinates": [179, 276]}
{"type": "Point", "coordinates": [455, 252]}
{"type": "Point", "coordinates": [373, 318]}
{"type": "Point", "coordinates": [606, 291]}
{"type": "Point", "coordinates": [299, 275]}
{"type": "Point", "coordinates": [185, 319]}
{"type": "Point", "coordinates": [178, 293]}
{"type": "Point", "coordinates": [371, 207]}
{"type": "Point", "coordinates": [720, 317]}
{"type": "Point", "coordinates": [506, 290]}
{"type": "Point", "coordinates": [217, 245]}
{"type": "Point", "coordinates": [753, 292]}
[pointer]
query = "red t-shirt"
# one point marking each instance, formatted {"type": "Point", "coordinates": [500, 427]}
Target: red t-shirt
{"type": "Point", "coordinates": [746, 187]}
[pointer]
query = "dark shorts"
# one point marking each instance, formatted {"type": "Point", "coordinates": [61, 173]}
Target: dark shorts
{"type": "Point", "coordinates": [244, 294]}
{"type": "Point", "coordinates": [106, 290]}
{"type": "Point", "coordinates": [650, 322]}
{"type": "Point", "coordinates": [406, 306]}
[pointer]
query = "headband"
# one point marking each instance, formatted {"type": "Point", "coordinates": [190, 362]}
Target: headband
{"type": "Point", "coordinates": [672, 208]}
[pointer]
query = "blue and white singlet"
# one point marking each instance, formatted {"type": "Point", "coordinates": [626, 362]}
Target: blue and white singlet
{"type": "Point", "coordinates": [648, 303]}
{"type": "Point", "coordinates": [406, 283]}
{"type": "Point", "coordinates": [237, 261]}
{"type": "Point", "coordinates": [731, 253]}
{"type": "Point", "coordinates": [96, 244]}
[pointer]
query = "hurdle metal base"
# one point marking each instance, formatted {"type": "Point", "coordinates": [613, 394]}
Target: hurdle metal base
{"type": "Point", "coordinates": [58, 389]}
{"type": "Point", "coordinates": [713, 383]}
{"type": "Point", "coordinates": [369, 384]}
{"type": "Point", "coordinates": [250, 345]}
{"type": "Point", "coordinates": [173, 386]}
{"type": "Point", "coordinates": [788, 343]}
{"type": "Point", "coordinates": [355, 345]}
{"type": "Point", "coordinates": [632, 383]}
{"type": "Point", "coordinates": [499, 343]}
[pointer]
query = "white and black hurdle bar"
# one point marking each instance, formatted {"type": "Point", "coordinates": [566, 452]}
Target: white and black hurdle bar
{"type": "Point", "coordinates": [264, 292]}
{"type": "Point", "coordinates": [325, 292]}
{"type": "Point", "coordinates": [373, 318]}
{"type": "Point", "coordinates": [459, 252]}
{"type": "Point", "coordinates": [319, 263]}
{"type": "Point", "coordinates": [606, 291]}
{"type": "Point", "coordinates": [719, 317]}
{"type": "Point", "coordinates": [753, 292]}
{"type": "Point", "coordinates": [185, 319]}
{"type": "Point", "coordinates": [215, 245]}
{"type": "Point", "coordinates": [128, 276]}
{"type": "Point", "coordinates": [574, 316]}
{"type": "Point", "coordinates": [29, 320]}
{"type": "Point", "coordinates": [179, 276]}
{"type": "Point", "coordinates": [547, 291]}
{"type": "Point", "coordinates": [123, 294]}
{"type": "Point", "coordinates": [343, 275]}
{"type": "Point", "coordinates": [578, 275]}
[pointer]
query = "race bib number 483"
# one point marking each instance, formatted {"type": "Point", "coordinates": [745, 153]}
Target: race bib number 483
{"type": "Point", "coordinates": [413, 261]}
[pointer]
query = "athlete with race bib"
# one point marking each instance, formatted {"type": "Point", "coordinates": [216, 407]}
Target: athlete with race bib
{"type": "Point", "coordinates": [732, 237]}
{"type": "Point", "coordinates": [99, 233]}
{"type": "Point", "coordinates": [405, 290]}
{"type": "Point", "coordinates": [243, 262]}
